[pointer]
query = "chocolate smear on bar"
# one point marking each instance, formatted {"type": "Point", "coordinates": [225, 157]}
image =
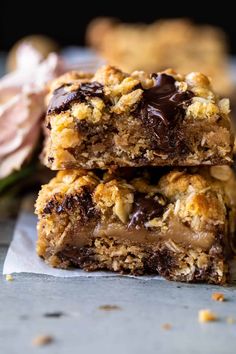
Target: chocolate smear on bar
{"type": "Point", "coordinates": [62, 98]}
{"type": "Point", "coordinates": [162, 110]}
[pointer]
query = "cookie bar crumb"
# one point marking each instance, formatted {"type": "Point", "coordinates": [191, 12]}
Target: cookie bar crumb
{"type": "Point", "coordinates": [42, 340]}
{"type": "Point", "coordinates": [206, 316]}
{"type": "Point", "coordinates": [218, 297]}
{"type": "Point", "coordinates": [166, 326]}
{"type": "Point", "coordinates": [9, 277]}
{"type": "Point", "coordinates": [109, 307]}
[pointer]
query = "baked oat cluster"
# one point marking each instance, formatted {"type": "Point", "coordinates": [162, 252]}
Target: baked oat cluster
{"type": "Point", "coordinates": [176, 43]}
{"type": "Point", "coordinates": [118, 119]}
{"type": "Point", "coordinates": [144, 183]}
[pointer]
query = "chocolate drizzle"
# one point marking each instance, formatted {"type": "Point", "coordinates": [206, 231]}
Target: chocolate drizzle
{"type": "Point", "coordinates": [62, 98]}
{"type": "Point", "coordinates": [146, 208]}
{"type": "Point", "coordinates": [162, 110]}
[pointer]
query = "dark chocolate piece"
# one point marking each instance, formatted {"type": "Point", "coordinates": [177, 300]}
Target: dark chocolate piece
{"type": "Point", "coordinates": [82, 202]}
{"type": "Point", "coordinates": [62, 99]}
{"type": "Point", "coordinates": [146, 208]}
{"type": "Point", "coordinates": [162, 110]}
{"type": "Point", "coordinates": [49, 206]}
{"type": "Point", "coordinates": [50, 159]}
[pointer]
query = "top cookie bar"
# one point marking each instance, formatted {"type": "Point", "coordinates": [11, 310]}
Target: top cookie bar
{"type": "Point", "coordinates": [116, 119]}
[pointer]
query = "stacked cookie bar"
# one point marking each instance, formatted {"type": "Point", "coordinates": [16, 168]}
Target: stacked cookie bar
{"type": "Point", "coordinates": [145, 184]}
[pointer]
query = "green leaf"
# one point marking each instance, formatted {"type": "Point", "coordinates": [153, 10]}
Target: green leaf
{"type": "Point", "coordinates": [15, 177]}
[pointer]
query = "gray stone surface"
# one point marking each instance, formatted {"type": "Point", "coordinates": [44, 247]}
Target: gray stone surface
{"type": "Point", "coordinates": [134, 328]}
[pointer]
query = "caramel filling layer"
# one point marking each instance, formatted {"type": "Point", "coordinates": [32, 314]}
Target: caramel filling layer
{"type": "Point", "coordinates": [77, 236]}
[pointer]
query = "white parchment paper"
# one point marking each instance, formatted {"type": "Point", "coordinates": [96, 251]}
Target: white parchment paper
{"type": "Point", "coordinates": [22, 258]}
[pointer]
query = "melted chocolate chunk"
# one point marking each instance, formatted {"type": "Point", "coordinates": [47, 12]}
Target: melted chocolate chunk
{"type": "Point", "coordinates": [48, 126]}
{"type": "Point", "coordinates": [162, 110]}
{"type": "Point", "coordinates": [49, 207]}
{"type": "Point", "coordinates": [145, 208]}
{"type": "Point", "coordinates": [82, 202]}
{"type": "Point", "coordinates": [50, 159]}
{"type": "Point", "coordinates": [161, 262]}
{"type": "Point", "coordinates": [62, 98]}
{"type": "Point", "coordinates": [82, 257]}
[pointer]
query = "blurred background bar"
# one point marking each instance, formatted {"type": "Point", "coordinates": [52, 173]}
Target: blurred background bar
{"type": "Point", "coordinates": [66, 21]}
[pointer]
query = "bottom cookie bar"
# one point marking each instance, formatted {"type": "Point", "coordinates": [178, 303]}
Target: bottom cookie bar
{"type": "Point", "coordinates": [178, 224]}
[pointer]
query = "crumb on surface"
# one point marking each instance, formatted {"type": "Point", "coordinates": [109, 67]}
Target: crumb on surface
{"type": "Point", "coordinates": [218, 297]}
{"type": "Point", "coordinates": [41, 340]}
{"type": "Point", "coordinates": [230, 320]}
{"type": "Point", "coordinates": [206, 316]}
{"type": "Point", "coordinates": [55, 314]}
{"type": "Point", "coordinates": [9, 277]}
{"type": "Point", "coordinates": [166, 326]}
{"type": "Point", "coordinates": [109, 307]}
